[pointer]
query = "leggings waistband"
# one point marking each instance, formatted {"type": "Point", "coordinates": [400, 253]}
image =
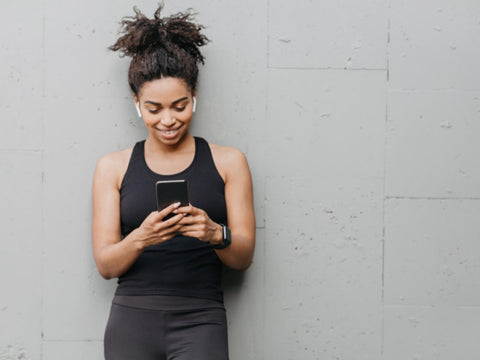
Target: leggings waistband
{"type": "Point", "coordinates": [166, 303]}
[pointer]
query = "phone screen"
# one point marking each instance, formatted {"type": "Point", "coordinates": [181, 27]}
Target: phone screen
{"type": "Point", "coordinates": [169, 192]}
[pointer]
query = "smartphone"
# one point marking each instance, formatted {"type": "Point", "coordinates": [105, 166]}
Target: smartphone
{"type": "Point", "coordinates": [170, 192]}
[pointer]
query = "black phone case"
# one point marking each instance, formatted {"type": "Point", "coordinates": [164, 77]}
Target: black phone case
{"type": "Point", "coordinates": [171, 191]}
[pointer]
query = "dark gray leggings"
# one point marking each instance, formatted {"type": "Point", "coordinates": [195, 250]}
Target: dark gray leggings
{"type": "Point", "coordinates": [173, 332]}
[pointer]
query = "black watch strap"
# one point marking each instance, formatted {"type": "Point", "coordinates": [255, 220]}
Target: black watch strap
{"type": "Point", "coordinates": [227, 238]}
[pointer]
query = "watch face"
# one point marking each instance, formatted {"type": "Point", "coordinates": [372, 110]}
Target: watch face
{"type": "Point", "coordinates": [227, 239]}
{"type": "Point", "coordinates": [227, 234]}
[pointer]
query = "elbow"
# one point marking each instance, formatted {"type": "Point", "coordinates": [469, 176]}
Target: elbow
{"type": "Point", "coordinates": [244, 261]}
{"type": "Point", "coordinates": [242, 265]}
{"type": "Point", "coordinates": [104, 266]}
{"type": "Point", "coordinates": [107, 275]}
{"type": "Point", "coordinates": [245, 265]}
{"type": "Point", "coordinates": [104, 271]}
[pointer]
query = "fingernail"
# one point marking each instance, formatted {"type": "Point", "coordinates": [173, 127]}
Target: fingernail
{"type": "Point", "coordinates": [177, 204]}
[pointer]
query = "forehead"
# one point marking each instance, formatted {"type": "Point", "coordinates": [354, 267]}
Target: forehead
{"type": "Point", "coordinates": [164, 90]}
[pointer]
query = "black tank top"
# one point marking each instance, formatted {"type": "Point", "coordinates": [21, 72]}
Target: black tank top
{"type": "Point", "coordinates": [181, 266]}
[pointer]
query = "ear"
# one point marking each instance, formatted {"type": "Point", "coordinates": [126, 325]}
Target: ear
{"type": "Point", "coordinates": [137, 105]}
{"type": "Point", "coordinates": [194, 96]}
{"type": "Point", "coordinates": [138, 110]}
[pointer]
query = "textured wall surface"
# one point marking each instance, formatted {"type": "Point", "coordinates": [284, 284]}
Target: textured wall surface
{"type": "Point", "coordinates": [360, 120]}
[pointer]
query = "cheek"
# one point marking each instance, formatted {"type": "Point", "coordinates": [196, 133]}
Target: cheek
{"type": "Point", "coordinates": [149, 119]}
{"type": "Point", "coordinates": [184, 116]}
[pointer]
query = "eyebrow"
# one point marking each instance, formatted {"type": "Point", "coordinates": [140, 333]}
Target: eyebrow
{"type": "Point", "coordinates": [159, 104]}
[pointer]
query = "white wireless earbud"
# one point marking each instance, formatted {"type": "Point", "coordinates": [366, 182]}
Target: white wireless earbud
{"type": "Point", "coordinates": [138, 109]}
{"type": "Point", "coordinates": [194, 107]}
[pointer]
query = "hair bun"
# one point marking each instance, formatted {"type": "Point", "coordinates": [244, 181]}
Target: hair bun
{"type": "Point", "coordinates": [141, 34]}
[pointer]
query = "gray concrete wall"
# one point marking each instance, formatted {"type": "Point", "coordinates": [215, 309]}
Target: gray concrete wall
{"type": "Point", "coordinates": [360, 120]}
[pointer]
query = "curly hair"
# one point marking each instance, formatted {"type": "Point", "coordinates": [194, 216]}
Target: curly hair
{"type": "Point", "coordinates": [161, 47]}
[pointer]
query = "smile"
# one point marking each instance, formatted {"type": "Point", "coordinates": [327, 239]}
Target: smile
{"type": "Point", "coordinates": [169, 133]}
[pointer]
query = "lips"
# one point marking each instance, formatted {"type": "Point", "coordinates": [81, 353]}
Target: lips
{"type": "Point", "coordinates": [169, 133]}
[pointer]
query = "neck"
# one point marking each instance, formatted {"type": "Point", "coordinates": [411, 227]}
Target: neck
{"type": "Point", "coordinates": [154, 146]}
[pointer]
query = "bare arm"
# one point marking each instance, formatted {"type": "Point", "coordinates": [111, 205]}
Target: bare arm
{"type": "Point", "coordinates": [113, 255]}
{"type": "Point", "coordinates": [241, 218]}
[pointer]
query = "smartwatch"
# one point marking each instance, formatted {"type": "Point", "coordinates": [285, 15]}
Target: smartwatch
{"type": "Point", "coordinates": [227, 238]}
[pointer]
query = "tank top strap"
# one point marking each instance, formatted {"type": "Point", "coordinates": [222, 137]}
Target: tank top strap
{"type": "Point", "coordinates": [202, 151]}
{"type": "Point", "coordinates": [135, 163]}
{"type": "Point", "coordinates": [138, 153]}
{"type": "Point", "coordinates": [204, 158]}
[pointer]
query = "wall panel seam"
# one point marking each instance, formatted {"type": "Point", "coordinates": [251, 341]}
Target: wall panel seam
{"type": "Point", "coordinates": [22, 150]}
{"type": "Point", "coordinates": [324, 68]}
{"type": "Point", "coordinates": [454, 198]}
{"type": "Point", "coordinates": [72, 341]}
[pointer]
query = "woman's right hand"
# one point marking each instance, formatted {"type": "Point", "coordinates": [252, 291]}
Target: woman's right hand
{"type": "Point", "coordinates": [154, 230]}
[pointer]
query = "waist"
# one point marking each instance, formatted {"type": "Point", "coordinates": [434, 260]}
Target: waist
{"type": "Point", "coordinates": [166, 303]}
{"type": "Point", "coordinates": [183, 267]}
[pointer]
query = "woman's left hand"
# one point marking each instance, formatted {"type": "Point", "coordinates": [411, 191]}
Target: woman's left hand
{"type": "Point", "coordinates": [196, 223]}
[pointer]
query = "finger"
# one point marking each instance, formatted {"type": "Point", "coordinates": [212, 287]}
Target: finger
{"type": "Point", "coordinates": [168, 235]}
{"type": "Point", "coordinates": [188, 220]}
{"type": "Point", "coordinates": [170, 232]}
{"type": "Point", "coordinates": [161, 226]}
{"type": "Point", "coordinates": [170, 208]}
{"type": "Point", "coordinates": [190, 209]}
{"type": "Point", "coordinates": [172, 221]}
{"type": "Point", "coordinates": [186, 227]}
{"type": "Point", "coordinates": [192, 228]}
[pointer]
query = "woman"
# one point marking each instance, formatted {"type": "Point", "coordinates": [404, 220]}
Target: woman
{"type": "Point", "coordinates": [169, 301]}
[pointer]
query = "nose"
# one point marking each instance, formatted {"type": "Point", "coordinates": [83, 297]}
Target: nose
{"type": "Point", "coordinates": [168, 119]}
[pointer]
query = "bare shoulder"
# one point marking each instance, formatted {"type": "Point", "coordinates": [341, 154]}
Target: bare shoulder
{"type": "Point", "coordinates": [226, 153]}
{"type": "Point", "coordinates": [113, 166]}
{"type": "Point", "coordinates": [228, 160]}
